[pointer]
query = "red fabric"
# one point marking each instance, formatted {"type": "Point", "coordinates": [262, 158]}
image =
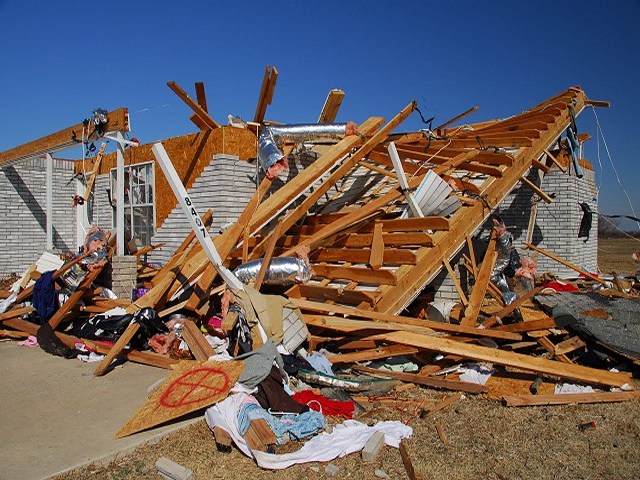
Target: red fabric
{"type": "Point", "coordinates": [561, 287]}
{"type": "Point", "coordinates": [329, 407]}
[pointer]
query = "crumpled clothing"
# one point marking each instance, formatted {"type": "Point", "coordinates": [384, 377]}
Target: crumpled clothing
{"type": "Point", "coordinates": [296, 426]}
{"type": "Point", "coordinates": [325, 405]}
{"type": "Point", "coordinates": [272, 395]}
{"type": "Point", "coordinates": [257, 364]}
{"type": "Point", "coordinates": [348, 437]}
{"type": "Point", "coordinates": [320, 363]}
{"type": "Point", "coordinates": [31, 341]}
{"type": "Point", "coordinates": [45, 297]}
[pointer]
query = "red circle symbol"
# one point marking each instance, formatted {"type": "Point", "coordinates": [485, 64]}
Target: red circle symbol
{"type": "Point", "coordinates": [195, 386]}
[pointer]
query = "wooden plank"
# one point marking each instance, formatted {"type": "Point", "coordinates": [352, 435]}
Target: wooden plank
{"type": "Point", "coordinates": [419, 322]}
{"type": "Point", "coordinates": [569, 398]}
{"type": "Point", "coordinates": [266, 93]}
{"type": "Point", "coordinates": [416, 224]}
{"type": "Point", "coordinates": [392, 256]}
{"type": "Point", "coordinates": [373, 354]}
{"type": "Point", "coordinates": [355, 274]}
{"type": "Point", "coordinates": [350, 325]}
{"type": "Point", "coordinates": [548, 345]}
{"type": "Point", "coordinates": [406, 461]}
{"type": "Point", "coordinates": [482, 282]}
{"type": "Point", "coordinates": [377, 248]}
{"type": "Point", "coordinates": [340, 295]}
{"type": "Point", "coordinates": [331, 106]}
{"type": "Point", "coordinates": [569, 345]}
{"type": "Point", "coordinates": [94, 173]}
{"type": "Point", "coordinates": [456, 283]}
{"type": "Point", "coordinates": [530, 326]}
{"type": "Point", "coordinates": [457, 117]}
{"type": "Point", "coordinates": [198, 122]}
{"type": "Point", "coordinates": [200, 348]}
{"type": "Point", "coordinates": [424, 380]}
{"type": "Point", "coordinates": [555, 161]}
{"type": "Point", "coordinates": [117, 120]}
{"type": "Point", "coordinates": [541, 166]}
{"type": "Point", "coordinates": [536, 189]}
{"type": "Point", "coordinates": [67, 306]}
{"type": "Point", "coordinates": [146, 358]}
{"type": "Point", "coordinates": [509, 309]}
{"type": "Point", "coordinates": [564, 262]}
{"type": "Point", "coordinates": [472, 256]}
{"type": "Point", "coordinates": [198, 110]}
{"type": "Point", "coordinates": [275, 235]}
{"type": "Point", "coordinates": [512, 359]}
{"type": "Point", "coordinates": [201, 96]}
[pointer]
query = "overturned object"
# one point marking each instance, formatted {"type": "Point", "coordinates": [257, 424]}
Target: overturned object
{"type": "Point", "coordinates": [272, 138]}
{"type": "Point", "coordinates": [281, 271]}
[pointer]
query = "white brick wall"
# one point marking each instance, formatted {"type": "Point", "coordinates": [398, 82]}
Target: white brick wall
{"type": "Point", "coordinates": [23, 237]}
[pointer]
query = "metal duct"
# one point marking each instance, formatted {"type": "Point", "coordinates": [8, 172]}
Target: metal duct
{"type": "Point", "coordinates": [281, 271]}
{"type": "Point", "coordinates": [272, 138]}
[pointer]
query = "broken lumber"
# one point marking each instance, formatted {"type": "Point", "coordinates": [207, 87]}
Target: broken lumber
{"type": "Point", "coordinates": [569, 398]}
{"type": "Point", "coordinates": [500, 357]}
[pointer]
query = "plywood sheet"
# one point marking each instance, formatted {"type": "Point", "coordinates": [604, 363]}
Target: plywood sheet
{"type": "Point", "coordinates": [192, 385]}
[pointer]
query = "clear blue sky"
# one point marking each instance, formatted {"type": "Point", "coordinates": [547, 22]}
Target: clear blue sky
{"type": "Point", "coordinates": [60, 60]}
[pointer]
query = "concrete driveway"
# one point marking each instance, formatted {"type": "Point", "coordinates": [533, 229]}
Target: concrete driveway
{"type": "Point", "coordinates": [55, 415]}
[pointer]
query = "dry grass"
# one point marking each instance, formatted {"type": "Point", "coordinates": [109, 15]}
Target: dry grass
{"type": "Point", "coordinates": [485, 440]}
{"type": "Point", "coordinates": [614, 255]}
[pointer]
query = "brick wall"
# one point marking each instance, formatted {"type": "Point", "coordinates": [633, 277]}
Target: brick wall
{"type": "Point", "coordinates": [557, 224]}
{"type": "Point", "coordinates": [23, 237]}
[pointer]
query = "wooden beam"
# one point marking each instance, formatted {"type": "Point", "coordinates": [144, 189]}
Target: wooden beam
{"type": "Point", "coordinates": [198, 122]}
{"type": "Point", "coordinates": [355, 274]}
{"type": "Point", "coordinates": [482, 282]}
{"type": "Point", "coordinates": [377, 248]}
{"type": "Point", "coordinates": [307, 305]}
{"type": "Point", "coordinates": [456, 283]}
{"type": "Point", "coordinates": [392, 256]}
{"type": "Point", "coordinates": [509, 309]}
{"type": "Point", "coordinates": [501, 357]}
{"type": "Point", "coordinates": [331, 106]}
{"type": "Point", "coordinates": [201, 96]}
{"type": "Point", "coordinates": [94, 172]}
{"type": "Point", "coordinates": [457, 117]}
{"type": "Point", "coordinates": [569, 398]}
{"type": "Point", "coordinates": [199, 111]}
{"type": "Point", "coordinates": [555, 161]}
{"type": "Point", "coordinates": [266, 93]}
{"type": "Point", "coordinates": [199, 346]}
{"type": "Point", "coordinates": [425, 380]}
{"type": "Point", "coordinates": [536, 189]}
{"type": "Point", "coordinates": [275, 235]}
{"type": "Point", "coordinates": [117, 120]}
{"type": "Point", "coordinates": [373, 354]}
{"type": "Point", "coordinates": [530, 326]}
{"type": "Point", "coordinates": [564, 262]}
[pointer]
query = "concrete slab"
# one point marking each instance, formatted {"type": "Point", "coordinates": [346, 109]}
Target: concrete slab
{"type": "Point", "coordinates": [55, 415]}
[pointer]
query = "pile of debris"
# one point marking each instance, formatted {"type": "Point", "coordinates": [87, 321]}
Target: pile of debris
{"type": "Point", "coordinates": [294, 311]}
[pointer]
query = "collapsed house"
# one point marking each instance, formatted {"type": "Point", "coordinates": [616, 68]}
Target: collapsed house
{"type": "Point", "coordinates": [356, 236]}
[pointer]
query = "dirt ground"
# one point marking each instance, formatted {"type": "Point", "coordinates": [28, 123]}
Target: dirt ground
{"type": "Point", "coordinates": [481, 439]}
